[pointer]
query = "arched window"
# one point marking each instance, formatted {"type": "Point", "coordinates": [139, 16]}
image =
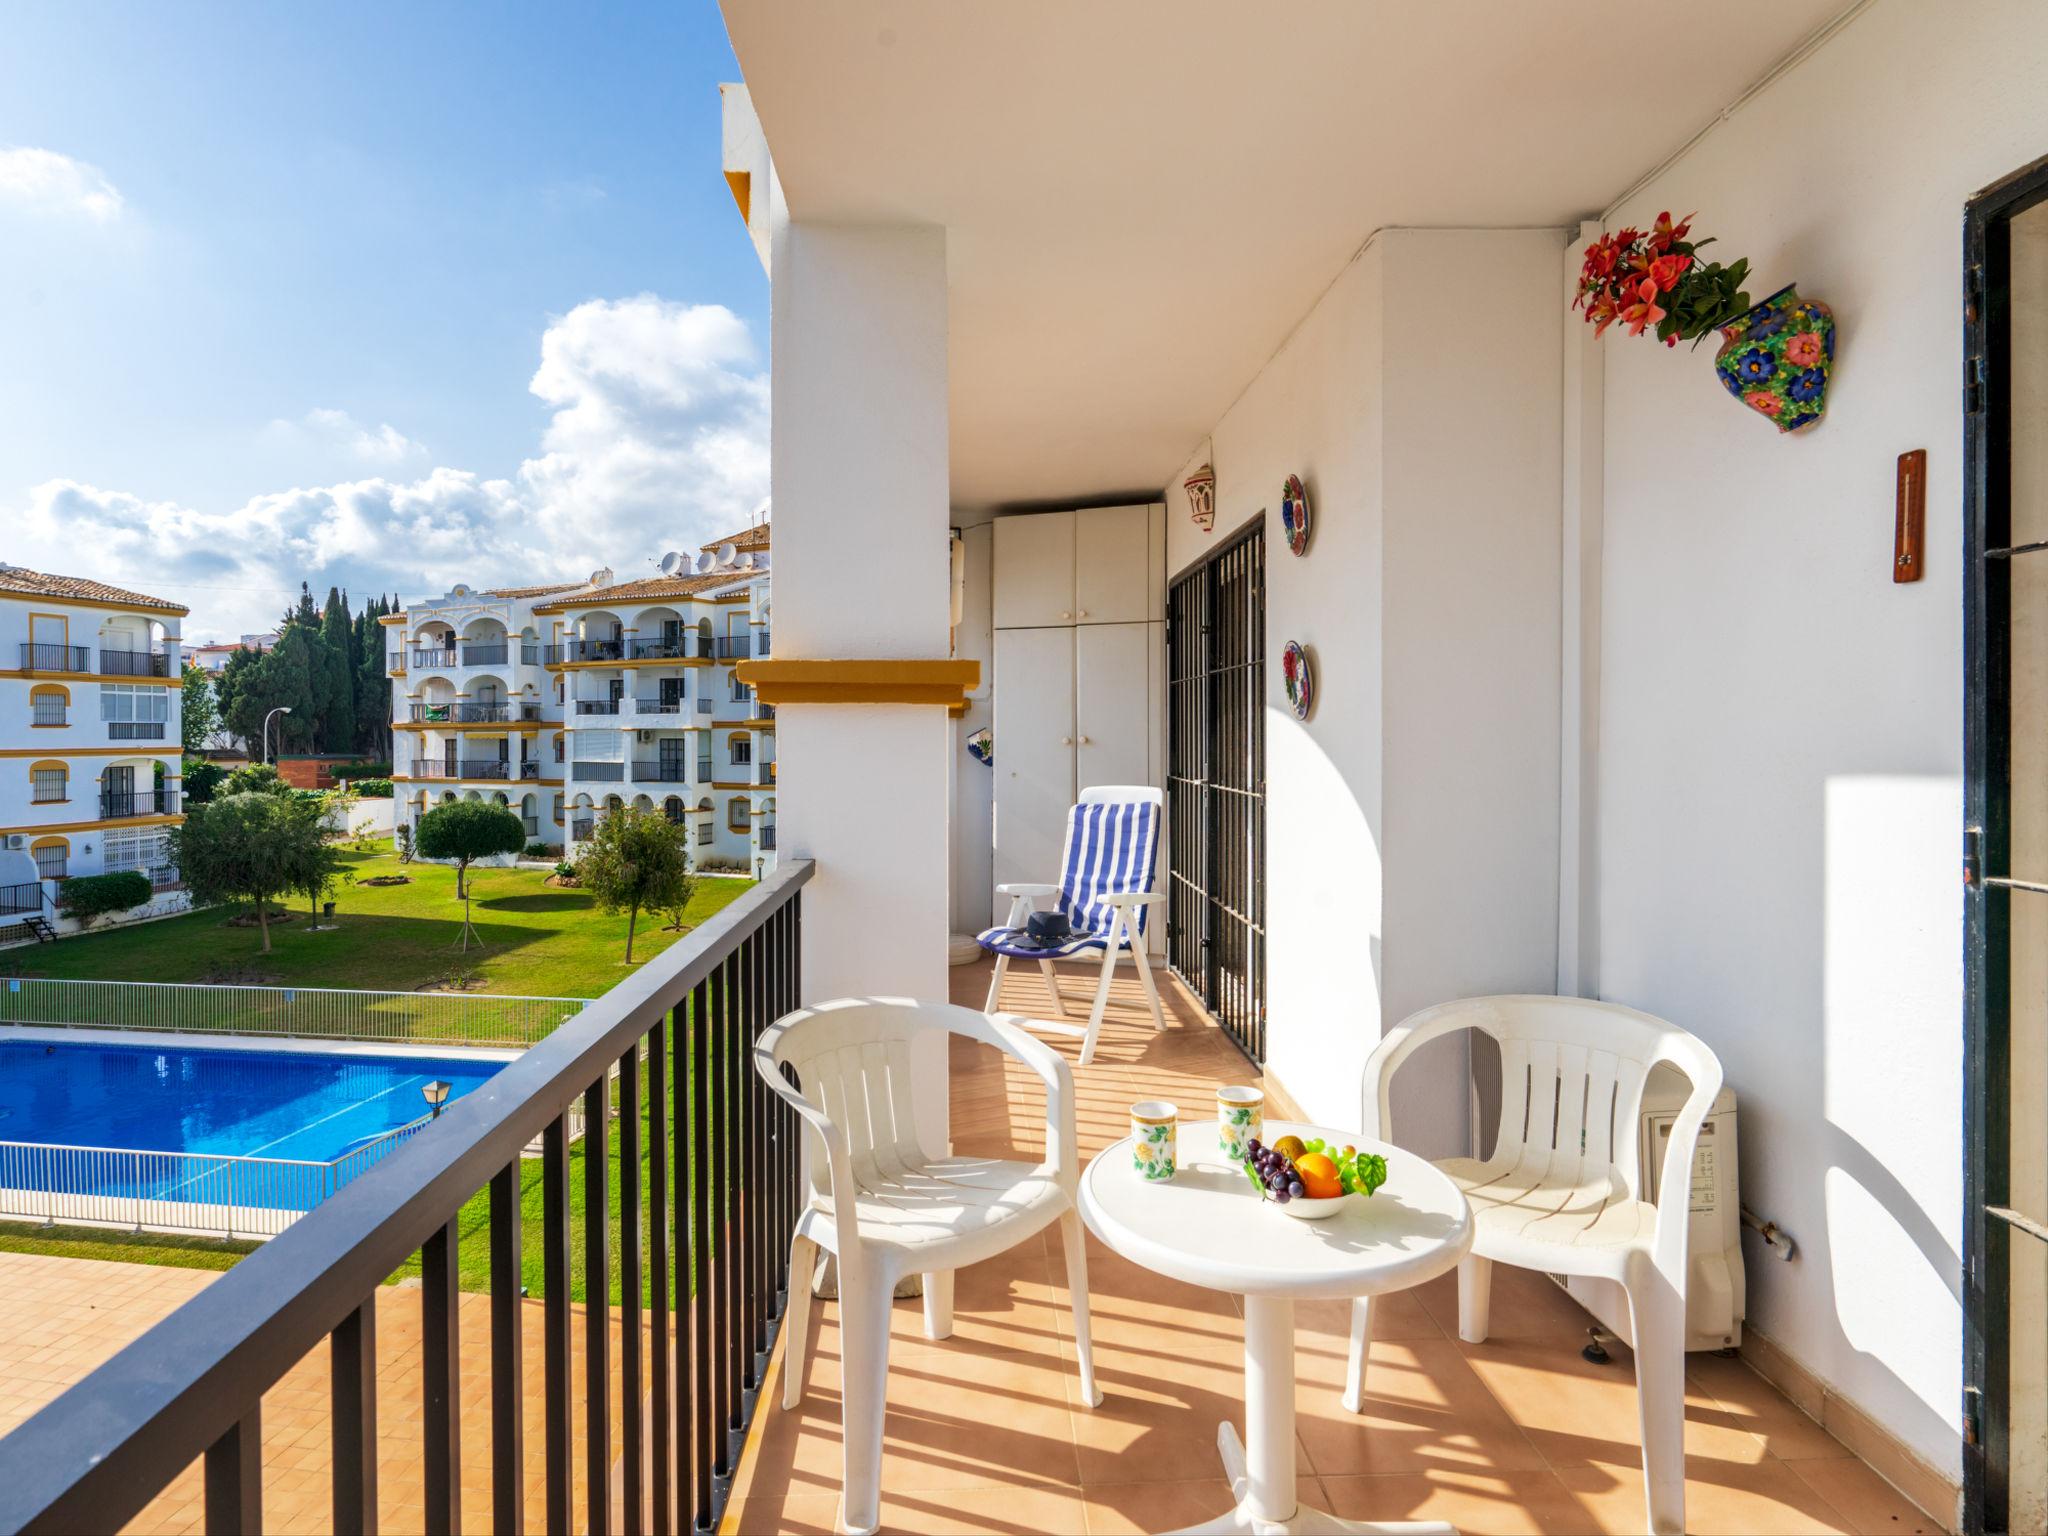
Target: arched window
{"type": "Point", "coordinates": [52, 856]}
{"type": "Point", "coordinates": [706, 812]}
{"type": "Point", "coordinates": [49, 782]}
{"type": "Point", "coordinates": [739, 815]}
{"type": "Point", "coordinates": [672, 808]}
{"type": "Point", "coordinates": [49, 704]}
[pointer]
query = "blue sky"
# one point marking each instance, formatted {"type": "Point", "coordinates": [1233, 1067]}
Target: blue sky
{"type": "Point", "coordinates": [391, 295]}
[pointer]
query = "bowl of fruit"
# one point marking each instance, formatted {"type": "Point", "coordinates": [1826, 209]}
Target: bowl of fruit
{"type": "Point", "coordinates": [1312, 1179]}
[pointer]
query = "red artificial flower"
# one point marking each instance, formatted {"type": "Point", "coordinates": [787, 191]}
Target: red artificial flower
{"type": "Point", "coordinates": [1665, 271]}
{"type": "Point", "coordinates": [1600, 258]}
{"type": "Point", "coordinates": [1602, 312]}
{"type": "Point", "coordinates": [1666, 234]}
{"type": "Point", "coordinates": [1644, 313]}
{"type": "Point", "coordinates": [1628, 237]}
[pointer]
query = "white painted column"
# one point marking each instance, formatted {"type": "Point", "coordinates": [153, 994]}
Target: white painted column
{"type": "Point", "coordinates": [859, 480]}
{"type": "Point", "coordinates": [1584, 463]}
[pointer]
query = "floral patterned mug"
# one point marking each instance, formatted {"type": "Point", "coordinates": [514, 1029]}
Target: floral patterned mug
{"type": "Point", "coordinates": [1155, 1139]}
{"type": "Point", "coordinates": [1240, 1120]}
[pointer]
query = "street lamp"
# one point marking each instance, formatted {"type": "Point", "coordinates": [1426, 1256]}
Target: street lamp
{"type": "Point", "coordinates": [436, 1094]}
{"type": "Point", "coordinates": [282, 709]}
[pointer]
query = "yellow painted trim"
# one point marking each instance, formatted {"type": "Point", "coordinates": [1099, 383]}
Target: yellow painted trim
{"type": "Point", "coordinates": [44, 764]}
{"type": "Point", "coordinates": [760, 723]}
{"type": "Point", "coordinates": [743, 784]}
{"type": "Point", "coordinates": [787, 680]}
{"type": "Point", "coordinates": [57, 688]}
{"type": "Point", "coordinates": [51, 842]}
{"type": "Point", "coordinates": [94, 602]}
{"type": "Point", "coordinates": [390, 620]}
{"type": "Point", "coordinates": [89, 677]}
{"type": "Point", "coordinates": [91, 751]}
{"type": "Point", "coordinates": [956, 711]}
{"type": "Point", "coordinates": [634, 662]}
{"type": "Point", "coordinates": [742, 184]}
{"type": "Point", "coordinates": [97, 826]}
{"type": "Point", "coordinates": [61, 618]}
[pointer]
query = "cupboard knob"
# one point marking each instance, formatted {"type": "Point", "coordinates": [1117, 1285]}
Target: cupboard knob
{"type": "Point", "coordinates": [1084, 741]}
{"type": "Point", "coordinates": [1082, 614]}
{"type": "Point", "coordinates": [1066, 741]}
{"type": "Point", "coordinates": [1064, 614]}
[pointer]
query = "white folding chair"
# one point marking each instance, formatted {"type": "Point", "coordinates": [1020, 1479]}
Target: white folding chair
{"type": "Point", "coordinates": [1105, 890]}
{"type": "Point", "coordinates": [1562, 1191]}
{"type": "Point", "coordinates": [875, 1201]}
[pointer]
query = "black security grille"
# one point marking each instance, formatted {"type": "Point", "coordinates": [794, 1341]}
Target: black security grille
{"type": "Point", "coordinates": [1216, 786]}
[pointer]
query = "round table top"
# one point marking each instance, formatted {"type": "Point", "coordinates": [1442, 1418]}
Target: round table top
{"type": "Point", "coordinates": [1207, 1226]}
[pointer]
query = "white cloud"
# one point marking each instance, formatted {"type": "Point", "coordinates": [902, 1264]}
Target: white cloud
{"type": "Point", "coordinates": [340, 433]}
{"type": "Point", "coordinates": [45, 181]}
{"type": "Point", "coordinates": [658, 440]}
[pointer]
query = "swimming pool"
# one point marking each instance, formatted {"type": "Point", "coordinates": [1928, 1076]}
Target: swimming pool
{"type": "Point", "coordinates": [261, 1130]}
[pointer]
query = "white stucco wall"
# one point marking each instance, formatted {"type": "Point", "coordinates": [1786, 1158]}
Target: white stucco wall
{"type": "Point", "coordinates": [1412, 820]}
{"type": "Point", "coordinates": [1782, 726]}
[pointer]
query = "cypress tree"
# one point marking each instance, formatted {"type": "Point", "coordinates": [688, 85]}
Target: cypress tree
{"type": "Point", "coordinates": [336, 690]}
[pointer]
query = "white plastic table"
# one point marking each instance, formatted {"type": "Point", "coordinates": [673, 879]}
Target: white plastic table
{"type": "Point", "coordinates": [1207, 1226]}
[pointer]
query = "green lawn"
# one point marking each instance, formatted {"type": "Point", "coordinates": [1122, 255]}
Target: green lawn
{"type": "Point", "coordinates": [537, 940]}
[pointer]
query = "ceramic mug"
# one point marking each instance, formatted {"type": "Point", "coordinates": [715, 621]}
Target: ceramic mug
{"type": "Point", "coordinates": [1240, 1120]}
{"type": "Point", "coordinates": [1155, 1139]}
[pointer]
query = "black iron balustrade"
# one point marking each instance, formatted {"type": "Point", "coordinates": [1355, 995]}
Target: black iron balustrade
{"type": "Point", "coordinates": [38, 657]}
{"type": "Point", "coordinates": [529, 770]}
{"type": "Point", "coordinates": [435, 656]}
{"type": "Point", "coordinates": [764, 773]}
{"type": "Point", "coordinates": [707, 1223]}
{"type": "Point", "coordinates": [599, 773]}
{"type": "Point", "coordinates": [487, 653]}
{"type": "Point", "coordinates": [486, 768]}
{"type": "Point", "coordinates": [597, 706]}
{"type": "Point", "coordinates": [732, 647]}
{"type": "Point", "coordinates": [117, 803]}
{"type": "Point", "coordinates": [461, 714]}
{"type": "Point", "coordinates": [394, 661]}
{"type": "Point", "coordinates": [134, 663]}
{"type": "Point", "coordinates": [676, 648]}
{"type": "Point", "coordinates": [27, 897]}
{"type": "Point", "coordinates": [135, 730]}
{"type": "Point", "coordinates": [768, 838]}
{"type": "Point", "coordinates": [703, 770]}
{"type": "Point", "coordinates": [663, 772]}
{"type": "Point", "coordinates": [529, 653]}
{"type": "Point", "coordinates": [703, 706]}
{"type": "Point", "coordinates": [570, 651]}
{"type": "Point", "coordinates": [760, 642]}
{"type": "Point", "coordinates": [657, 706]}
{"type": "Point", "coordinates": [425, 768]}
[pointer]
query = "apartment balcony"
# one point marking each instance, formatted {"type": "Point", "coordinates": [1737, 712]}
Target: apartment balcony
{"type": "Point", "coordinates": [394, 663]}
{"type": "Point", "coordinates": [761, 642]}
{"type": "Point", "coordinates": [488, 653]}
{"type": "Point", "coordinates": [135, 730]}
{"type": "Point", "coordinates": [768, 838]}
{"type": "Point", "coordinates": [117, 805]}
{"type": "Point", "coordinates": [679, 648]}
{"type": "Point", "coordinates": [732, 648]}
{"type": "Point", "coordinates": [529, 653]}
{"type": "Point", "coordinates": [597, 706]}
{"type": "Point", "coordinates": [571, 652]}
{"type": "Point", "coordinates": [38, 657]}
{"type": "Point", "coordinates": [673, 708]}
{"type": "Point", "coordinates": [646, 771]}
{"type": "Point", "coordinates": [704, 706]}
{"type": "Point", "coordinates": [18, 899]}
{"type": "Point", "coordinates": [134, 663]}
{"type": "Point", "coordinates": [485, 768]}
{"type": "Point", "coordinates": [764, 773]}
{"type": "Point", "coordinates": [598, 773]}
{"type": "Point", "coordinates": [434, 656]}
{"type": "Point", "coordinates": [472, 714]}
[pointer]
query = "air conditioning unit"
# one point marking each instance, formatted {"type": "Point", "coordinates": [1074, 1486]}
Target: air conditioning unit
{"type": "Point", "coordinates": [645, 735]}
{"type": "Point", "coordinates": [1714, 1282]}
{"type": "Point", "coordinates": [17, 841]}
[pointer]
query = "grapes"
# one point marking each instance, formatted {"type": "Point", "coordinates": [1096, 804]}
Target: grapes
{"type": "Point", "coordinates": [1294, 1188]}
{"type": "Point", "coordinates": [1282, 1196]}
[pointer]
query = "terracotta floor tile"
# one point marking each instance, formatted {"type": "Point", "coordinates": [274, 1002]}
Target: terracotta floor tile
{"type": "Point", "coordinates": [1750, 1403]}
{"type": "Point", "coordinates": [1721, 1499]}
{"type": "Point", "coordinates": [1477, 1503]}
{"type": "Point", "coordinates": [1866, 1501]}
{"type": "Point", "coordinates": [1159, 1415]}
{"type": "Point", "coordinates": [1425, 1410]}
{"type": "Point", "coordinates": [806, 1514]}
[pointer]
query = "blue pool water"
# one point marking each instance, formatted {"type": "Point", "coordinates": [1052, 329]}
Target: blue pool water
{"type": "Point", "coordinates": [284, 1104]}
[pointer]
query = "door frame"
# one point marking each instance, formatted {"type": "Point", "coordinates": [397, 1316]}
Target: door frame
{"type": "Point", "coordinates": [1987, 838]}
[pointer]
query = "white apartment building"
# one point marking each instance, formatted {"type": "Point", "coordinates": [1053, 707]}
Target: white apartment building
{"type": "Point", "coordinates": [563, 702]}
{"type": "Point", "coordinates": [89, 736]}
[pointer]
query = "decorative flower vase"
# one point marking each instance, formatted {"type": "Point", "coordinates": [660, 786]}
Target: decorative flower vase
{"type": "Point", "coordinates": [1777, 357]}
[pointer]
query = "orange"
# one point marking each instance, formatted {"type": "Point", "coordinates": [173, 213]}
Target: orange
{"type": "Point", "coordinates": [1319, 1179]}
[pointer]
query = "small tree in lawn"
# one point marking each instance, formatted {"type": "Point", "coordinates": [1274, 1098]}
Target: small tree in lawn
{"type": "Point", "coordinates": [249, 847]}
{"type": "Point", "coordinates": [635, 860]}
{"type": "Point", "coordinates": [315, 862]}
{"type": "Point", "coordinates": [463, 830]}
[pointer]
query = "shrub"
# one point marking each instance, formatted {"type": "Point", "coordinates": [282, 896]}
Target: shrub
{"type": "Point", "coordinates": [202, 779]}
{"type": "Point", "coordinates": [86, 897]}
{"type": "Point", "coordinates": [364, 770]}
{"type": "Point", "coordinates": [565, 871]}
{"type": "Point", "coordinates": [635, 860]}
{"type": "Point", "coordinates": [404, 834]}
{"type": "Point", "coordinates": [251, 848]}
{"type": "Point", "coordinates": [371, 789]}
{"type": "Point", "coordinates": [538, 850]}
{"type": "Point", "coordinates": [255, 779]}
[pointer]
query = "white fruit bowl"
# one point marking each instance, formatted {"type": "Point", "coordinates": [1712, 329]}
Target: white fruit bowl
{"type": "Point", "coordinates": [1302, 1208]}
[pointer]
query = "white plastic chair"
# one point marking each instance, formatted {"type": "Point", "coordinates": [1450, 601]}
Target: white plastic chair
{"type": "Point", "coordinates": [1562, 1192]}
{"type": "Point", "coordinates": [885, 1209]}
{"type": "Point", "coordinates": [1105, 890]}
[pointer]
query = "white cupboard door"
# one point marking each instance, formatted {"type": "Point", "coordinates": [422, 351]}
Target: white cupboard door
{"type": "Point", "coordinates": [1112, 571]}
{"type": "Point", "coordinates": [1112, 713]}
{"type": "Point", "coordinates": [1034, 570]}
{"type": "Point", "coordinates": [1034, 754]}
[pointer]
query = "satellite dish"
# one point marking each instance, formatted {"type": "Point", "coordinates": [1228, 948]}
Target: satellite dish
{"type": "Point", "coordinates": [672, 562]}
{"type": "Point", "coordinates": [727, 553]}
{"type": "Point", "coordinates": [705, 561]}
{"type": "Point", "coordinates": [601, 577]}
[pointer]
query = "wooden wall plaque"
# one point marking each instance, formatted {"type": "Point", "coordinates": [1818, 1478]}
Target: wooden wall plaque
{"type": "Point", "coordinates": [1909, 521]}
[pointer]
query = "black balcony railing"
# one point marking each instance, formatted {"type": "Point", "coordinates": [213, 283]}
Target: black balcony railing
{"type": "Point", "coordinates": [135, 730]}
{"type": "Point", "coordinates": [529, 653]}
{"type": "Point", "coordinates": [598, 773]}
{"type": "Point", "coordinates": [585, 650]}
{"type": "Point", "coordinates": [760, 642]}
{"type": "Point", "coordinates": [763, 711]}
{"type": "Point", "coordinates": [646, 771]}
{"type": "Point", "coordinates": [462, 714]}
{"type": "Point", "coordinates": [394, 661]}
{"type": "Point", "coordinates": [488, 653]}
{"type": "Point", "coordinates": [485, 768]}
{"type": "Point", "coordinates": [764, 773]}
{"type": "Point", "coordinates": [657, 706]}
{"type": "Point", "coordinates": [134, 663]}
{"type": "Point", "coordinates": [116, 803]}
{"type": "Point", "coordinates": [433, 656]}
{"type": "Point", "coordinates": [529, 770]}
{"type": "Point", "coordinates": [427, 769]}
{"type": "Point", "coordinates": [768, 838]}
{"type": "Point", "coordinates": [597, 706]}
{"type": "Point", "coordinates": [666, 648]}
{"type": "Point", "coordinates": [38, 657]}
{"type": "Point", "coordinates": [16, 899]}
{"type": "Point", "coordinates": [664, 1386]}
{"type": "Point", "coordinates": [732, 648]}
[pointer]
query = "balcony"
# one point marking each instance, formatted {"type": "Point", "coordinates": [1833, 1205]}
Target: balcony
{"type": "Point", "coordinates": [38, 657]}
{"type": "Point", "coordinates": [488, 653]}
{"type": "Point", "coordinates": [485, 768]}
{"type": "Point", "coordinates": [597, 706]}
{"type": "Point", "coordinates": [732, 648]}
{"type": "Point", "coordinates": [135, 730]}
{"type": "Point", "coordinates": [669, 648]}
{"type": "Point", "coordinates": [761, 642]}
{"type": "Point", "coordinates": [394, 663]}
{"type": "Point", "coordinates": [764, 773]}
{"type": "Point", "coordinates": [433, 656]}
{"type": "Point", "coordinates": [658, 706]}
{"type": "Point", "coordinates": [572, 652]}
{"type": "Point", "coordinates": [134, 663]}
{"type": "Point", "coordinates": [529, 653]}
{"type": "Point", "coordinates": [17, 899]}
{"type": "Point", "coordinates": [660, 772]}
{"type": "Point", "coordinates": [598, 773]}
{"type": "Point", "coordinates": [468, 714]}
{"type": "Point", "coordinates": [768, 838]}
{"type": "Point", "coordinates": [117, 804]}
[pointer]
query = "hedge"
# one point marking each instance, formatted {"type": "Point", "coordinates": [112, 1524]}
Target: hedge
{"type": "Point", "coordinates": [86, 897]}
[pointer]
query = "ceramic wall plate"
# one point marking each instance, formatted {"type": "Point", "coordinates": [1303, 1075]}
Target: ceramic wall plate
{"type": "Point", "coordinates": [981, 746]}
{"type": "Point", "coordinates": [1294, 514]}
{"type": "Point", "coordinates": [1301, 679]}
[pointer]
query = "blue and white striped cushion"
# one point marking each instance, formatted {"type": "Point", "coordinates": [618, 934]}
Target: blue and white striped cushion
{"type": "Point", "coordinates": [1110, 847]}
